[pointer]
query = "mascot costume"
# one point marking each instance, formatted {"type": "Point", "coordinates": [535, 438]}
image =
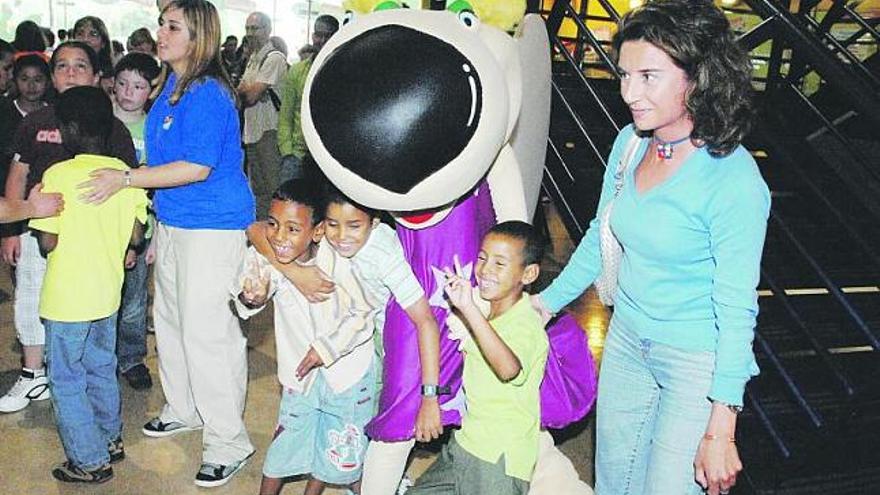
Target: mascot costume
{"type": "Point", "coordinates": [441, 118]}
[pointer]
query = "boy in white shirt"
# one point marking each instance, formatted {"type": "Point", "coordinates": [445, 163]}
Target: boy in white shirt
{"type": "Point", "coordinates": [323, 411]}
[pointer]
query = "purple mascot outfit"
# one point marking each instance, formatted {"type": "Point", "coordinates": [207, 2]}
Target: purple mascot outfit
{"type": "Point", "coordinates": [457, 136]}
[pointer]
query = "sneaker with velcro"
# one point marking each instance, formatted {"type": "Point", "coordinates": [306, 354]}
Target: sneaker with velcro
{"type": "Point", "coordinates": [69, 473]}
{"type": "Point", "coordinates": [116, 449]}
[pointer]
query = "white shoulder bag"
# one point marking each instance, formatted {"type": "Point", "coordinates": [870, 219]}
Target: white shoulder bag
{"type": "Point", "coordinates": [610, 248]}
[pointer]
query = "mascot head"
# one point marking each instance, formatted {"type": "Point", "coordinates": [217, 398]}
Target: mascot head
{"type": "Point", "coordinates": [406, 109]}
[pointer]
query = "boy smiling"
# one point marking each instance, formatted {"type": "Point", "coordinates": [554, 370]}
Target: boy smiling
{"type": "Point", "coordinates": [497, 447]}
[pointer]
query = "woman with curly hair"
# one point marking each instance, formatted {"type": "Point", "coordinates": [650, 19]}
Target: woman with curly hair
{"type": "Point", "coordinates": [690, 211]}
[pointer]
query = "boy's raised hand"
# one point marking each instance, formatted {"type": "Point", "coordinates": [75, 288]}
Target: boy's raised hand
{"type": "Point", "coordinates": [309, 362]}
{"type": "Point", "coordinates": [458, 289]}
{"type": "Point", "coordinates": [255, 286]}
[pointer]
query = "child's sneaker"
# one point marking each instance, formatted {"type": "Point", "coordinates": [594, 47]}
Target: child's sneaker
{"type": "Point", "coordinates": [211, 475]}
{"type": "Point", "coordinates": [157, 429]}
{"type": "Point", "coordinates": [116, 449]}
{"type": "Point", "coordinates": [31, 385]}
{"type": "Point", "coordinates": [69, 473]}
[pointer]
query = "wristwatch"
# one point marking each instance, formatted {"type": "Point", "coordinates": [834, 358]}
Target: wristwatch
{"type": "Point", "coordinates": [435, 390]}
{"type": "Point", "coordinates": [730, 407]}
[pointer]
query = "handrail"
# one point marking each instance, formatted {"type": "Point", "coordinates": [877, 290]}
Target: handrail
{"type": "Point", "coordinates": [569, 211]}
{"type": "Point", "coordinates": [582, 28]}
{"type": "Point", "coordinates": [764, 418]}
{"type": "Point", "coordinates": [833, 288]}
{"type": "Point", "coordinates": [589, 87]}
{"type": "Point", "coordinates": [790, 382]}
{"type": "Point", "coordinates": [578, 122]}
{"type": "Point", "coordinates": [820, 350]}
{"type": "Point", "coordinates": [857, 90]}
{"type": "Point", "coordinates": [839, 48]}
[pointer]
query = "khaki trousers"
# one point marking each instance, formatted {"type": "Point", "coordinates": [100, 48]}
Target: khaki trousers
{"type": "Point", "coordinates": [202, 351]}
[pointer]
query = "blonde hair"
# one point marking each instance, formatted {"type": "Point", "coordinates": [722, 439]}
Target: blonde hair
{"type": "Point", "coordinates": [203, 23]}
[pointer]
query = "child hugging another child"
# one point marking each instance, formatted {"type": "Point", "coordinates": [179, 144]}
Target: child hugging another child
{"type": "Point", "coordinates": [322, 415]}
{"type": "Point", "coordinates": [79, 301]}
{"type": "Point", "coordinates": [355, 232]}
{"type": "Point", "coordinates": [504, 357]}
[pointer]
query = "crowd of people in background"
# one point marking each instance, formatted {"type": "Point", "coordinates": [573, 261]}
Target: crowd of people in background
{"type": "Point", "coordinates": [162, 74]}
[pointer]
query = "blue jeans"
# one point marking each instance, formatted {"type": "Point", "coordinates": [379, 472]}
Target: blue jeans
{"type": "Point", "coordinates": [131, 347]}
{"type": "Point", "coordinates": [82, 376]}
{"type": "Point", "coordinates": [652, 412]}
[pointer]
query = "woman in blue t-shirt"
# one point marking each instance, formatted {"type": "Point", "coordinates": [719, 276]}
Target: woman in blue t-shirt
{"type": "Point", "coordinates": [203, 204]}
{"type": "Point", "coordinates": [691, 215]}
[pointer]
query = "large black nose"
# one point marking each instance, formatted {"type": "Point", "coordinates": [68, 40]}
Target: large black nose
{"type": "Point", "coordinates": [394, 105]}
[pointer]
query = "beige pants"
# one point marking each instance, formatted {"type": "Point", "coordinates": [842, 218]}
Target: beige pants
{"type": "Point", "coordinates": [554, 473]}
{"type": "Point", "coordinates": [202, 351]}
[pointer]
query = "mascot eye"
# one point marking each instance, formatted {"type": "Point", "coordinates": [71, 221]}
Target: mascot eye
{"type": "Point", "coordinates": [468, 18]}
{"type": "Point", "coordinates": [348, 17]}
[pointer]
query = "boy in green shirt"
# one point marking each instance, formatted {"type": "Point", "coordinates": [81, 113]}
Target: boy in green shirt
{"type": "Point", "coordinates": [497, 447]}
{"type": "Point", "coordinates": [133, 75]}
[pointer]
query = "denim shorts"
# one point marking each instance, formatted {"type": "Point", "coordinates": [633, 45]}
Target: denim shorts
{"type": "Point", "coordinates": [322, 433]}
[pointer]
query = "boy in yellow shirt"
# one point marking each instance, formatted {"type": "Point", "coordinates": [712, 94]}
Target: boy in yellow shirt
{"type": "Point", "coordinates": [86, 247]}
{"type": "Point", "coordinates": [497, 447]}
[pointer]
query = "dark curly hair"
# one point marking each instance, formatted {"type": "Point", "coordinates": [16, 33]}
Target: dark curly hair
{"type": "Point", "coordinates": [697, 37]}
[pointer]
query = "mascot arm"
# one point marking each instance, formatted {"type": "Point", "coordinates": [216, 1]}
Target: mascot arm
{"type": "Point", "coordinates": [506, 185]}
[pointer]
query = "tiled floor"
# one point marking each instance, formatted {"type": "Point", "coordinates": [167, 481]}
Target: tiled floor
{"type": "Point", "coordinates": [29, 444]}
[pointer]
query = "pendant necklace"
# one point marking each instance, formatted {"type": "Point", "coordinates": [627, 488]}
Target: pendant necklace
{"type": "Point", "coordinates": [664, 148]}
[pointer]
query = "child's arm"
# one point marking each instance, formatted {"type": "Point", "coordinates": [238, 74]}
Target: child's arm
{"type": "Point", "coordinates": [309, 280]}
{"type": "Point", "coordinates": [345, 321]}
{"type": "Point", "coordinates": [500, 357]}
{"type": "Point", "coordinates": [37, 205]}
{"type": "Point", "coordinates": [428, 423]}
{"type": "Point", "coordinates": [137, 236]}
{"type": "Point", "coordinates": [135, 245]}
{"type": "Point", "coordinates": [47, 243]}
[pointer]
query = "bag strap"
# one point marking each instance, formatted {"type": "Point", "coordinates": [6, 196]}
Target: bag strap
{"type": "Point", "coordinates": [266, 56]}
{"type": "Point", "coordinates": [628, 154]}
{"type": "Point", "coordinates": [273, 96]}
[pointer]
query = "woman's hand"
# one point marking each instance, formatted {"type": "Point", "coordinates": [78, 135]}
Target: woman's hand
{"type": "Point", "coordinates": [717, 462]}
{"type": "Point", "coordinates": [428, 424]}
{"type": "Point", "coordinates": [104, 183]}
